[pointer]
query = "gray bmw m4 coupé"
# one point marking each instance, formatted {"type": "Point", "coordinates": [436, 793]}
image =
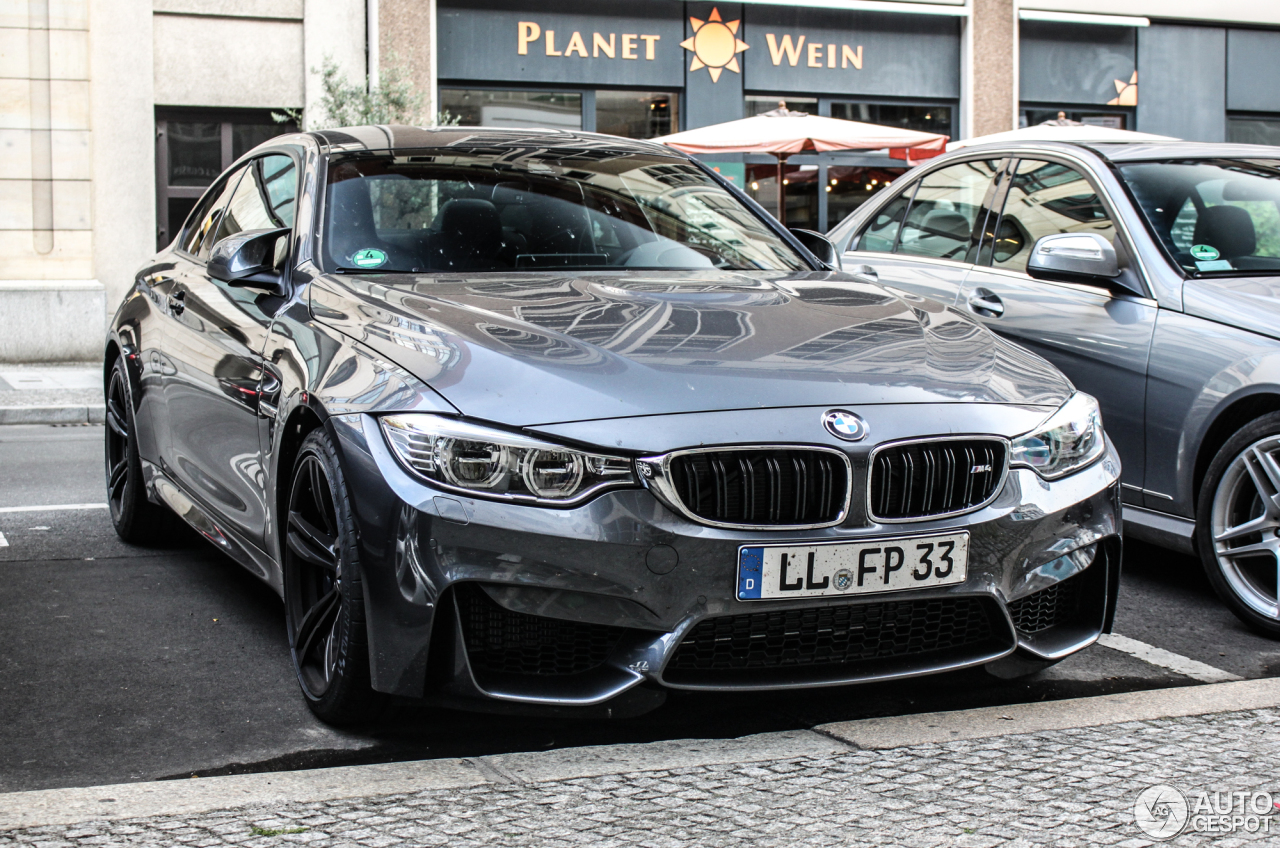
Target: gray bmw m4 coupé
{"type": "Point", "coordinates": [560, 419]}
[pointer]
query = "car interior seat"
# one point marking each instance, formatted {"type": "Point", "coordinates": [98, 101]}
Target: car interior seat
{"type": "Point", "coordinates": [1227, 229]}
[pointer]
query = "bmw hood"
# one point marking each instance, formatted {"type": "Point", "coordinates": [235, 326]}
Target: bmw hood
{"type": "Point", "coordinates": [539, 348]}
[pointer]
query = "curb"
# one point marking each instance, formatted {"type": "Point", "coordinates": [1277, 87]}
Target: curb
{"type": "Point", "coordinates": [65, 414]}
{"type": "Point", "coordinates": [194, 796]}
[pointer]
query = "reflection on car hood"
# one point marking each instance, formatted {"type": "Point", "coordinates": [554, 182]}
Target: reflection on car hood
{"type": "Point", "coordinates": [1252, 303]}
{"type": "Point", "coordinates": [525, 349]}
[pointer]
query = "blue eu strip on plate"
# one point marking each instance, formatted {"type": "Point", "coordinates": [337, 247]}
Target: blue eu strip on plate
{"type": "Point", "coordinates": [750, 573]}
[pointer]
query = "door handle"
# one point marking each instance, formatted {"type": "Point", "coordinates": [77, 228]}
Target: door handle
{"type": "Point", "coordinates": [866, 272]}
{"type": "Point", "coordinates": [986, 303]}
{"type": "Point", "coordinates": [269, 393]}
{"type": "Point", "coordinates": [177, 302]}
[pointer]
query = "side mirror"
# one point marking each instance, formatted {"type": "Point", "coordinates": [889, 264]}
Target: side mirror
{"type": "Point", "coordinates": [1074, 258]}
{"type": "Point", "coordinates": [247, 259]}
{"type": "Point", "coordinates": [819, 245]}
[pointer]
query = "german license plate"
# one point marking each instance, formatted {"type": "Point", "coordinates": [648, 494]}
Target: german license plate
{"type": "Point", "coordinates": [851, 568]}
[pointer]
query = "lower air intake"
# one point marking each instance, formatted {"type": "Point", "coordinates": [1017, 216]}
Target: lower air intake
{"type": "Point", "coordinates": [1058, 604]}
{"type": "Point", "coordinates": [500, 641]}
{"type": "Point", "coordinates": [829, 637]}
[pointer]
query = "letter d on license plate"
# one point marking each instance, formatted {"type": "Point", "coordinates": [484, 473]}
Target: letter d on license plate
{"type": "Point", "coordinates": [852, 568]}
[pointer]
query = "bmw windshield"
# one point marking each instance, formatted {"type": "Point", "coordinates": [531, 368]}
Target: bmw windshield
{"type": "Point", "coordinates": [475, 212]}
{"type": "Point", "coordinates": [1215, 217]}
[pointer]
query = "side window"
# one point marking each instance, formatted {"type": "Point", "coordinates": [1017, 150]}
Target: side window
{"type": "Point", "coordinates": [881, 234]}
{"type": "Point", "coordinates": [946, 210]}
{"type": "Point", "coordinates": [265, 198]}
{"type": "Point", "coordinates": [206, 214]}
{"type": "Point", "coordinates": [1046, 198]}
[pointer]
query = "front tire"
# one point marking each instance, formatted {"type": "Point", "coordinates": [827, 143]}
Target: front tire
{"type": "Point", "coordinates": [324, 594]}
{"type": "Point", "coordinates": [136, 520]}
{"type": "Point", "coordinates": [1238, 524]}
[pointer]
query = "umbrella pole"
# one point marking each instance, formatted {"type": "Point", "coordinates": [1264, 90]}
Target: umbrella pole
{"type": "Point", "coordinates": [782, 195]}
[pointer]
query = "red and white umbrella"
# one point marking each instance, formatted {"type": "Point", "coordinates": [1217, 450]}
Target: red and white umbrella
{"type": "Point", "coordinates": [795, 132]}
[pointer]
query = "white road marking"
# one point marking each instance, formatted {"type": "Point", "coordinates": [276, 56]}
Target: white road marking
{"type": "Point", "coordinates": [4, 543]}
{"type": "Point", "coordinates": [51, 507]}
{"type": "Point", "coordinates": [1167, 659]}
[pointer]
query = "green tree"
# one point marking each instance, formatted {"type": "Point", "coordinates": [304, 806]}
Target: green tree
{"type": "Point", "coordinates": [394, 100]}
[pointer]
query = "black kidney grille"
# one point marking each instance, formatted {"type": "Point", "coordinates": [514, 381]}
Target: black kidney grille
{"type": "Point", "coordinates": [774, 488]}
{"type": "Point", "coordinates": [935, 478]}
{"type": "Point", "coordinates": [830, 636]}
{"type": "Point", "coordinates": [1057, 604]}
{"type": "Point", "coordinates": [501, 641]}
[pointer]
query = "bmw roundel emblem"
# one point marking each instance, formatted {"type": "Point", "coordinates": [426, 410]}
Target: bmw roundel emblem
{"type": "Point", "coordinates": [844, 424]}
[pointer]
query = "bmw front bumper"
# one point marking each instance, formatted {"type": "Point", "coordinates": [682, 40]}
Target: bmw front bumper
{"type": "Point", "coordinates": [477, 599]}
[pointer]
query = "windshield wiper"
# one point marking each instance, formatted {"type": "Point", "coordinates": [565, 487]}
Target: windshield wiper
{"type": "Point", "coordinates": [1252, 272]}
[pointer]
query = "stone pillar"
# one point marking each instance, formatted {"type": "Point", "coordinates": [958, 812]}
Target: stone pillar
{"type": "Point", "coordinates": [51, 305]}
{"type": "Point", "coordinates": [406, 36]}
{"type": "Point", "coordinates": [990, 99]}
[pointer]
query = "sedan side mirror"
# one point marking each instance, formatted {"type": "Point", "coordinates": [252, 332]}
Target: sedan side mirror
{"type": "Point", "coordinates": [247, 259]}
{"type": "Point", "coordinates": [1074, 258]}
{"type": "Point", "coordinates": [819, 245]}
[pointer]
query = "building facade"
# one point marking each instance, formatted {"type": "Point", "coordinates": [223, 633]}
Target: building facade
{"type": "Point", "coordinates": [114, 114]}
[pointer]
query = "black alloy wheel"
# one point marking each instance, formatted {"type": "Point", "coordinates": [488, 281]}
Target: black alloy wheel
{"type": "Point", "coordinates": [1238, 524]}
{"type": "Point", "coordinates": [324, 597]}
{"type": "Point", "coordinates": [136, 520]}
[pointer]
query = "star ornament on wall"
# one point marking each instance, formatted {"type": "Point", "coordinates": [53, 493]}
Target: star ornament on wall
{"type": "Point", "coordinates": [715, 45]}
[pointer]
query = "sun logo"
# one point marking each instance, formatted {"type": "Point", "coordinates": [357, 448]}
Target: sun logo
{"type": "Point", "coordinates": [1126, 92]}
{"type": "Point", "coordinates": [715, 45]}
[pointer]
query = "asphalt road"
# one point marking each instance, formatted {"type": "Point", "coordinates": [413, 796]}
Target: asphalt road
{"type": "Point", "coordinates": [120, 663]}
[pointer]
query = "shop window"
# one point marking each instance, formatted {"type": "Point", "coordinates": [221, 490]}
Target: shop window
{"type": "Point", "coordinates": [758, 104]}
{"type": "Point", "coordinates": [1253, 129]}
{"type": "Point", "coordinates": [850, 186]}
{"type": "Point", "coordinates": [930, 119]}
{"type": "Point", "coordinates": [519, 109]}
{"type": "Point", "coordinates": [801, 191]}
{"type": "Point", "coordinates": [637, 114]}
{"type": "Point", "coordinates": [1031, 116]}
{"type": "Point", "coordinates": [192, 148]}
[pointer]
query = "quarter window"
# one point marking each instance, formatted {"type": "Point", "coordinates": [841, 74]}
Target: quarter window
{"type": "Point", "coordinates": [264, 199]}
{"type": "Point", "coordinates": [944, 214]}
{"type": "Point", "coordinates": [882, 233]}
{"type": "Point", "coordinates": [1045, 198]}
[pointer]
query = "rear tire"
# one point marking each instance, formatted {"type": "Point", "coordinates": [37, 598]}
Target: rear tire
{"type": "Point", "coordinates": [1238, 524]}
{"type": "Point", "coordinates": [136, 520]}
{"type": "Point", "coordinates": [324, 592]}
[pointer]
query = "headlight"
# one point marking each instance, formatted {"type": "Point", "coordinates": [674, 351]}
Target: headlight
{"type": "Point", "coordinates": [496, 464]}
{"type": "Point", "coordinates": [1071, 439]}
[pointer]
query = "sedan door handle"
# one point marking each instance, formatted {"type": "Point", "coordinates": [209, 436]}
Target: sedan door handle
{"type": "Point", "coordinates": [986, 303]}
{"type": "Point", "coordinates": [177, 302]}
{"type": "Point", "coordinates": [866, 272]}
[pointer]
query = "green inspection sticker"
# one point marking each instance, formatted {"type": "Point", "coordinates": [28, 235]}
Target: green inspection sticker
{"type": "Point", "coordinates": [371, 257]}
{"type": "Point", "coordinates": [1204, 252]}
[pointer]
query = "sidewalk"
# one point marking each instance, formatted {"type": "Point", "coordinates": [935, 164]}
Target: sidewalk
{"type": "Point", "coordinates": [53, 393]}
{"type": "Point", "coordinates": [1064, 773]}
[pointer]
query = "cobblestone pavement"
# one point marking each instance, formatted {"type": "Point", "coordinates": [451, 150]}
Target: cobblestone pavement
{"type": "Point", "coordinates": [1061, 788]}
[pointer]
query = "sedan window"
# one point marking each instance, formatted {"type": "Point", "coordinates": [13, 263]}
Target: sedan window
{"type": "Point", "coordinates": [1213, 216]}
{"type": "Point", "coordinates": [198, 240]}
{"type": "Point", "coordinates": [1045, 198]}
{"type": "Point", "coordinates": [484, 212]}
{"type": "Point", "coordinates": [264, 199]}
{"type": "Point", "coordinates": [947, 206]}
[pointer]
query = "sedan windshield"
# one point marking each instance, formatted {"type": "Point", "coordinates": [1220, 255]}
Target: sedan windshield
{"type": "Point", "coordinates": [429, 211]}
{"type": "Point", "coordinates": [1215, 217]}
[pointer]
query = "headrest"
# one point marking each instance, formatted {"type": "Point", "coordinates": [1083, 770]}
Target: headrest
{"type": "Point", "coordinates": [470, 218]}
{"type": "Point", "coordinates": [942, 222]}
{"type": "Point", "coordinates": [1228, 229]}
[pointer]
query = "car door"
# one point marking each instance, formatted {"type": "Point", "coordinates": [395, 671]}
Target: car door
{"type": "Point", "coordinates": [215, 339]}
{"type": "Point", "coordinates": [925, 239]}
{"type": "Point", "coordinates": [1098, 335]}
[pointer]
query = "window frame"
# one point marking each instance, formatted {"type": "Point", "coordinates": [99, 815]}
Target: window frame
{"type": "Point", "coordinates": [1125, 242]}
